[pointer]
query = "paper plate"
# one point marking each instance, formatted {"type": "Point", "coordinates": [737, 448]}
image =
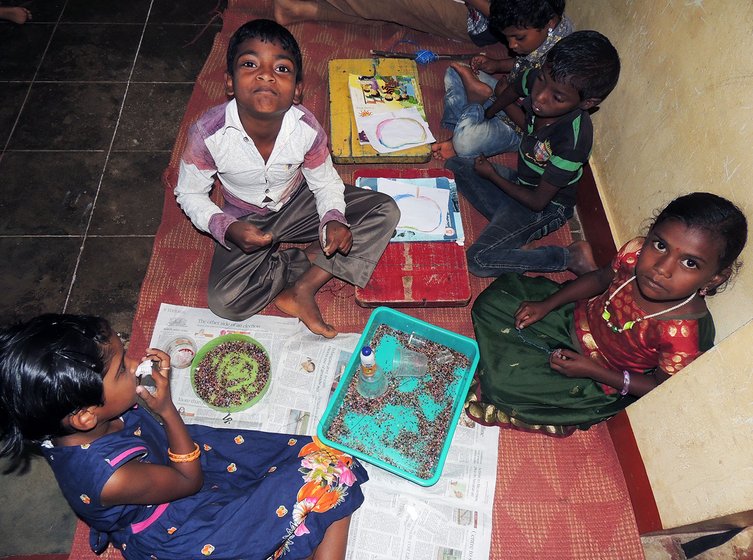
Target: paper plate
{"type": "Point", "coordinates": [231, 372]}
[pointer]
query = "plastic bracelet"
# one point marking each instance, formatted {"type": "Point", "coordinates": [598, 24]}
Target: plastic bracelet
{"type": "Point", "coordinates": [185, 457]}
{"type": "Point", "coordinates": [625, 382]}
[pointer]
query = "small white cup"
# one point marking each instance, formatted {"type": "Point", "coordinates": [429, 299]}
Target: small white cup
{"type": "Point", "coordinates": [181, 351]}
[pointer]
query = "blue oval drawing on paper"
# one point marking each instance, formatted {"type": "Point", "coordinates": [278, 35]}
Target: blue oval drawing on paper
{"type": "Point", "coordinates": [399, 132]}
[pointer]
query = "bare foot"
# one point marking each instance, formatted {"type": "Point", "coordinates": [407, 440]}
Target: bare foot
{"type": "Point", "coordinates": [16, 14]}
{"type": "Point", "coordinates": [292, 11]}
{"type": "Point", "coordinates": [581, 258]}
{"type": "Point", "coordinates": [298, 301]}
{"type": "Point", "coordinates": [443, 150]}
{"type": "Point", "coordinates": [476, 90]}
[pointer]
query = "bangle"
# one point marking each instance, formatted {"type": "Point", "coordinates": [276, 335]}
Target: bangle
{"type": "Point", "coordinates": [625, 382]}
{"type": "Point", "coordinates": [185, 457]}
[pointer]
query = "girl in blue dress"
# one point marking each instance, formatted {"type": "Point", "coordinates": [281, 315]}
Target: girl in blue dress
{"type": "Point", "coordinates": [164, 490]}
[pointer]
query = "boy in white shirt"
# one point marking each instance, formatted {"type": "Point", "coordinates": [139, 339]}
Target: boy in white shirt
{"type": "Point", "coordinates": [279, 186]}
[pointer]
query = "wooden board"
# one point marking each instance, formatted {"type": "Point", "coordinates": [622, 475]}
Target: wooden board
{"type": "Point", "coordinates": [343, 133]}
{"type": "Point", "coordinates": [431, 274]}
{"type": "Point", "coordinates": [417, 274]}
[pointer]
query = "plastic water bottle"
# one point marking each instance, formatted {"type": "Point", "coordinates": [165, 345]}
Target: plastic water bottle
{"type": "Point", "coordinates": [372, 382]}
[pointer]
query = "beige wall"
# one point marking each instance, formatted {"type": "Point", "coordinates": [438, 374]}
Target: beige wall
{"type": "Point", "coordinates": [697, 450]}
{"type": "Point", "coordinates": [680, 119]}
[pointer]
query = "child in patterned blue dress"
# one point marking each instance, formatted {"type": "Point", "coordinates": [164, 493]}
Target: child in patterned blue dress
{"type": "Point", "coordinates": [166, 491]}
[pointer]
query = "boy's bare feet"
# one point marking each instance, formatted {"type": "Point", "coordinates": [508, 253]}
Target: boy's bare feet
{"type": "Point", "coordinates": [292, 11]}
{"type": "Point", "coordinates": [475, 90]}
{"type": "Point", "coordinates": [16, 14]}
{"type": "Point", "coordinates": [443, 149]}
{"type": "Point", "coordinates": [581, 258]}
{"type": "Point", "coordinates": [298, 301]}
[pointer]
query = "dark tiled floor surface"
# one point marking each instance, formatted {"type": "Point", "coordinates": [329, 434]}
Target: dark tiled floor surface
{"type": "Point", "coordinates": [92, 96]}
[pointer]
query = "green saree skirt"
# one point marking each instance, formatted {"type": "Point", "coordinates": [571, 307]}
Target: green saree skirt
{"type": "Point", "coordinates": [515, 384]}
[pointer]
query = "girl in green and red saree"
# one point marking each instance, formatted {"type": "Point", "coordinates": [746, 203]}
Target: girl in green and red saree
{"type": "Point", "coordinates": [554, 357]}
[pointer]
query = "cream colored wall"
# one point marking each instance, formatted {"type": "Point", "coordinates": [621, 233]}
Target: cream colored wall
{"type": "Point", "coordinates": [680, 119]}
{"type": "Point", "coordinates": [697, 452]}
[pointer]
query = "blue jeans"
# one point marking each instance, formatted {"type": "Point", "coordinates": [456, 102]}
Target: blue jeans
{"type": "Point", "coordinates": [473, 134]}
{"type": "Point", "coordinates": [511, 225]}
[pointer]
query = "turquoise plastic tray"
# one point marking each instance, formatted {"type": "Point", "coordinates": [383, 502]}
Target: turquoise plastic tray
{"type": "Point", "coordinates": [387, 431]}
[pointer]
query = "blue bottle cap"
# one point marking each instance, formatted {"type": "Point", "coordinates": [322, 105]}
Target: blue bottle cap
{"type": "Point", "coordinates": [366, 351]}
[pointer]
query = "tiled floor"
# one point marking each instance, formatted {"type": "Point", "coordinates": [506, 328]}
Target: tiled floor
{"type": "Point", "coordinates": [92, 96]}
{"type": "Point", "coordinates": [93, 93]}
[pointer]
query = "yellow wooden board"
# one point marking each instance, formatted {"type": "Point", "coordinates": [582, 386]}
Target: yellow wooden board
{"type": "Point", "coordinates": [343, 132]}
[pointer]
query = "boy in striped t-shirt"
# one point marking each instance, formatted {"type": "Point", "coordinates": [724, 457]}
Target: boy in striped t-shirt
{"type": "Point", "coordinates": [524, 205]}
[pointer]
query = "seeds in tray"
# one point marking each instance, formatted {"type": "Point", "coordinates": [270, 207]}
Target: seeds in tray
{"type": "Point", "coordinates": [231, 374]}
{"type": "Point", "coordinates": [416, 447]}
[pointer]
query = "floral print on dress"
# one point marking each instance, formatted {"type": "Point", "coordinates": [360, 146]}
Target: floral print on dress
{"type": "Point", "coordinates": [327, 476]}
{"type": "Point", "coordinates": [225, 495]}
{"type": "Point", "coordinates": [85, 499]}
{"type": "Point", "coordinates": [239, 439]}
{"type": "Point", "coordinates": [300, 512]}
{"type": "Point", "coordinates": [231, 468]}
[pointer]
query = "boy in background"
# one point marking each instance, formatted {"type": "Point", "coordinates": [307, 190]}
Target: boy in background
{"type": "Point", "coordinates": [531, 28]}
{"type": "Point", "coordinates": [279, 185]}
{"type": "Point", "coordinates": [579, 72]}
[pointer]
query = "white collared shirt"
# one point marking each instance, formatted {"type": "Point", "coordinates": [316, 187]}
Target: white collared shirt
{"type": "Point", "coordinates": [218, 146]}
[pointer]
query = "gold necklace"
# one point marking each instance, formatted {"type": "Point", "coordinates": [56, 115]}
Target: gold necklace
{"type": "Point", "coordinates": [606, 315]}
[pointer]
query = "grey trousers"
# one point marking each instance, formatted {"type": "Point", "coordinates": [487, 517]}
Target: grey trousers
{"type": "Point", "coordinates": [444, 18]}
{"type": "Point", "coordinates": [242, 284]}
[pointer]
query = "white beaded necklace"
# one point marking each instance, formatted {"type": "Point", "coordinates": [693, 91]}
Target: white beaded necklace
{"type": "Point", "coordinates": [606, 315]}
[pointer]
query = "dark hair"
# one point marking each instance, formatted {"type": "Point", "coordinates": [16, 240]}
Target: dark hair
{"type": "Point", "coordinates": [50, 367]}
{"type": "Point", "coordinates": [587, 61]}
{"type": "Point", "coordinates": [715, 214]}
{"type": "Point", "coordinates": [524, 13]}
{"type": "Point", "coordinates": [267, 31]}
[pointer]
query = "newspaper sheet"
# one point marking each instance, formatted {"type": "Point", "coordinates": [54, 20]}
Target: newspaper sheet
{"type": "Point", "coordinates": [451, 520]}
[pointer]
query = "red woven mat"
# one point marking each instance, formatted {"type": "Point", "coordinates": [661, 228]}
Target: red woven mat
{"type": "Point", "coordinates": [555, 498]}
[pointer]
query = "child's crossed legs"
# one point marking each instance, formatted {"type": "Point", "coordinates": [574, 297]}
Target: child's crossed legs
{"type": "Point", "coordinates": [242, 284]}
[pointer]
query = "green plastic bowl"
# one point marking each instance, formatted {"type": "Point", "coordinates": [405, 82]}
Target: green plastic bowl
{"type": "Point", "coordinates": [239, 374]}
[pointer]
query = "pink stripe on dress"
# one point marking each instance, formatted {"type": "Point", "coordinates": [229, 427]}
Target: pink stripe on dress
{"type": "Point", "coordinates": [141, 525]}
{"type": "Point", "coordinates": [126, 454]}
